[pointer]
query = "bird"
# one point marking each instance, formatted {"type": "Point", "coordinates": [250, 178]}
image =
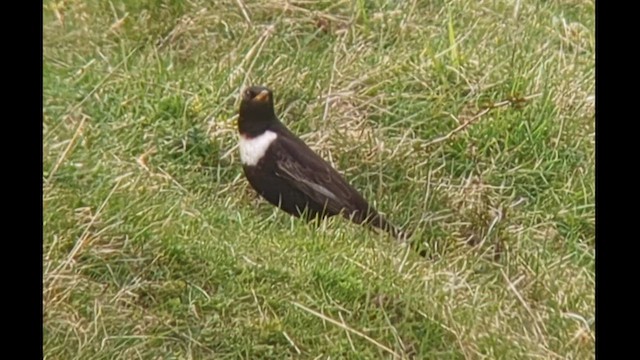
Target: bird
{"type": "Point", "coordinates": [282, 169]}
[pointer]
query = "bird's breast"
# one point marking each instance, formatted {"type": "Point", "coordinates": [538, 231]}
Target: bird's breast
{"type": "Point", "coordinates": [253, 149]}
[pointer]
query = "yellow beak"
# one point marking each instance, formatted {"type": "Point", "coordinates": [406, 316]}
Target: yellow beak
{"type": "Point", "coordinates": [263, 96]}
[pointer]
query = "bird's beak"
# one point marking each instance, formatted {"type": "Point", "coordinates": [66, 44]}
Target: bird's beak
{"type": "Point", "coordinates": [263, 96]}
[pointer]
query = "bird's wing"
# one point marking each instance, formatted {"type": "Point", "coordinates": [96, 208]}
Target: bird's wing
{"type": "Point", "coordinates": [309, 173]}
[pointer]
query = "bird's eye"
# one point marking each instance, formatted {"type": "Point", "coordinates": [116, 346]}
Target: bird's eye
{"type": "Point", "coordinates": [247, 93]}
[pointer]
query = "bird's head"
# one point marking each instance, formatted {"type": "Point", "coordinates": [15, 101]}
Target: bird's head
{"type": "Point", "coordinates": [256, 110]}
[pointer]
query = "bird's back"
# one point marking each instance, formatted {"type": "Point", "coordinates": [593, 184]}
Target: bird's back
{"type": "Point", "coordinates": [317, 178]}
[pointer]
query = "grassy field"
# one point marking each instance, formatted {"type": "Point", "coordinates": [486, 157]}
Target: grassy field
{"type": "Point", "coordinates": [469, 122]}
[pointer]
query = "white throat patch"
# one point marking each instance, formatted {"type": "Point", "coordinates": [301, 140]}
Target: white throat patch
{"type": "Point", "coordinates": [253, 149]}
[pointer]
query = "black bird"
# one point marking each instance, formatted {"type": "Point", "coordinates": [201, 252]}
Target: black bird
{"type": "Point", "coordinates": [286, 172]}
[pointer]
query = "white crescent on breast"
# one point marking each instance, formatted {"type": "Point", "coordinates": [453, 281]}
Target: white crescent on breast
{"type": "Point", "coordinates": [253, 149]}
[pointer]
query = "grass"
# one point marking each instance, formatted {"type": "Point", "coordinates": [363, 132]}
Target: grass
{"type": "Point", "coordinates": [470, 122]}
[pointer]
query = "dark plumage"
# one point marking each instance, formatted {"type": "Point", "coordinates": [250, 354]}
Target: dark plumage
{"type": "Point", "coordinates": [288, 174]}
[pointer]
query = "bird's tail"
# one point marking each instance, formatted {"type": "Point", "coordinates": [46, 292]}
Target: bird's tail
{"type": "Point", "coordinates": [380, 222]}
{"type": "Point", "coordinates": [376, 220]}
{"type": "Point", "coordinates": [403, 236]}
{"type": "Point", "coordinates": [373, 218]}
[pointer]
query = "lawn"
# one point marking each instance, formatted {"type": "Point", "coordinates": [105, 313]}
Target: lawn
{"type": "Point", "coordinates": [469, 122]}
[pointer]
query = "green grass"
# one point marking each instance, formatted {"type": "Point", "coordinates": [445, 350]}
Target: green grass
{"type": "Point", "coordinates": [155, 246]}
